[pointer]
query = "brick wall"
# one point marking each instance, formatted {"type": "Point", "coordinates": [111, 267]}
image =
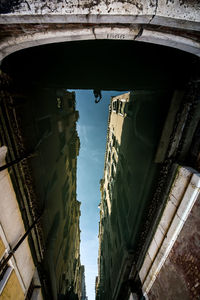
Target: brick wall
{"type": "Point", "coordinates": [180, 275]}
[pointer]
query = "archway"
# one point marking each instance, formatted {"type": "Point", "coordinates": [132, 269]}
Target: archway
{"type": "Point", "coordinates": [134, 69]}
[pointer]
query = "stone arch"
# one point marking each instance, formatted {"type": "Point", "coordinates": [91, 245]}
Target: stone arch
{"type": "Point", "coordinates": [115, 32]}
{"type": "Point", "coordinates": [31, 23]}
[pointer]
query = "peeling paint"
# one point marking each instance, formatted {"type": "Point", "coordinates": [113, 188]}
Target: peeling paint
{"type": "Point", "coordinates": [169, 8]}
{"type": "Point", "coordinates": [45, 17]}
{"type": "Point", "coordinates": [9, 6]}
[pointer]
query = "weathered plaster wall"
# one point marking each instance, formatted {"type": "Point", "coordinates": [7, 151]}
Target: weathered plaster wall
{"type": "Point", "coordinates": [31, 23]}
{"type": "Point", "coordinates": [181, 9]}
{"type": "Point", "coordinates": [76, 6]}
{"type": "Point", "coordinates": [176, 13]}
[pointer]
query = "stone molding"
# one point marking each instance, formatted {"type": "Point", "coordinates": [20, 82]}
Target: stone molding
{"type": "Point", "coordinates": [182, 196]}
{"type": "Point", "coordinates": [15, 43]}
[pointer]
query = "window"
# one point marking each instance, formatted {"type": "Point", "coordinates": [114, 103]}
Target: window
{"type": "Point", "coordinates": [114, 106]}
{"type": "Point", "coordinates": [109, 156]}
{"type": "Point", "coordinates": [59, 102]}
{"type": "Point", "coordinates": [114, 160]}
{"type": "Point", "coordinates": [113, 140]}
{"type": "Point", "coordinates": [44, 126]}
{"type": "Point", "coordinates": [112, 171]}
{"type": "Point", "coordinates": [122, 107]}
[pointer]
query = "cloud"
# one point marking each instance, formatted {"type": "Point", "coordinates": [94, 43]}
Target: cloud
{"type": "Point", "coordinates": [97, 156]}
{"type": "Point", "coordinates": [90, 148]}
{"type": "Point", "coordinates": [83, 135]}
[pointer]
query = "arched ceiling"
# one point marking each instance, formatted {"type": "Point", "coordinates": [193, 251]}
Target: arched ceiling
{"type": "Point", "coordinates": [106, 64]}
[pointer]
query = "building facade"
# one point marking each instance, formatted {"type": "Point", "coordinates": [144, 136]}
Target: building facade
{"type": "Point", "coordinates": [112, 228]}
{"type": "Point", "coordinates": [39, 180]}
{"type": "Point", "coordinates": [175, 24]}
{"type": "Point", "coordinates": [132, 176]}
{"type": "Point", "coordinates": [19, 277]}
{"type": "Point", "coordinates": [83, 287]}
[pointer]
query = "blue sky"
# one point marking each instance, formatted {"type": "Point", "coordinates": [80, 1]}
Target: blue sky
{"type": "Point", "coordinates": [92, 130]}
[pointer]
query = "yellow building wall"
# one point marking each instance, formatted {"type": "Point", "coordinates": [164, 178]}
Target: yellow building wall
{"type": "Point", "coordinates": [12, 289]}
{"type": "Point", "coordinates": [2, 248]}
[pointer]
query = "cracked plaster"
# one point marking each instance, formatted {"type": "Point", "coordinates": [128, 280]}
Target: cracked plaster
{"type": "Point", "coordinates": [110, 15]}
{"type": "Point", "coordinates": [178, 9]}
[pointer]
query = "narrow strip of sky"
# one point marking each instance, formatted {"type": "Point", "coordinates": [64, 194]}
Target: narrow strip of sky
{"type": "Point", "coordinates": [92, 131]}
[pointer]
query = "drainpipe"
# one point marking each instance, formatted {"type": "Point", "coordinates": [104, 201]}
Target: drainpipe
{"type": "Point", "coordinates": [16, 161]}
{"type": "Point", "coordinates": [31, 154]}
